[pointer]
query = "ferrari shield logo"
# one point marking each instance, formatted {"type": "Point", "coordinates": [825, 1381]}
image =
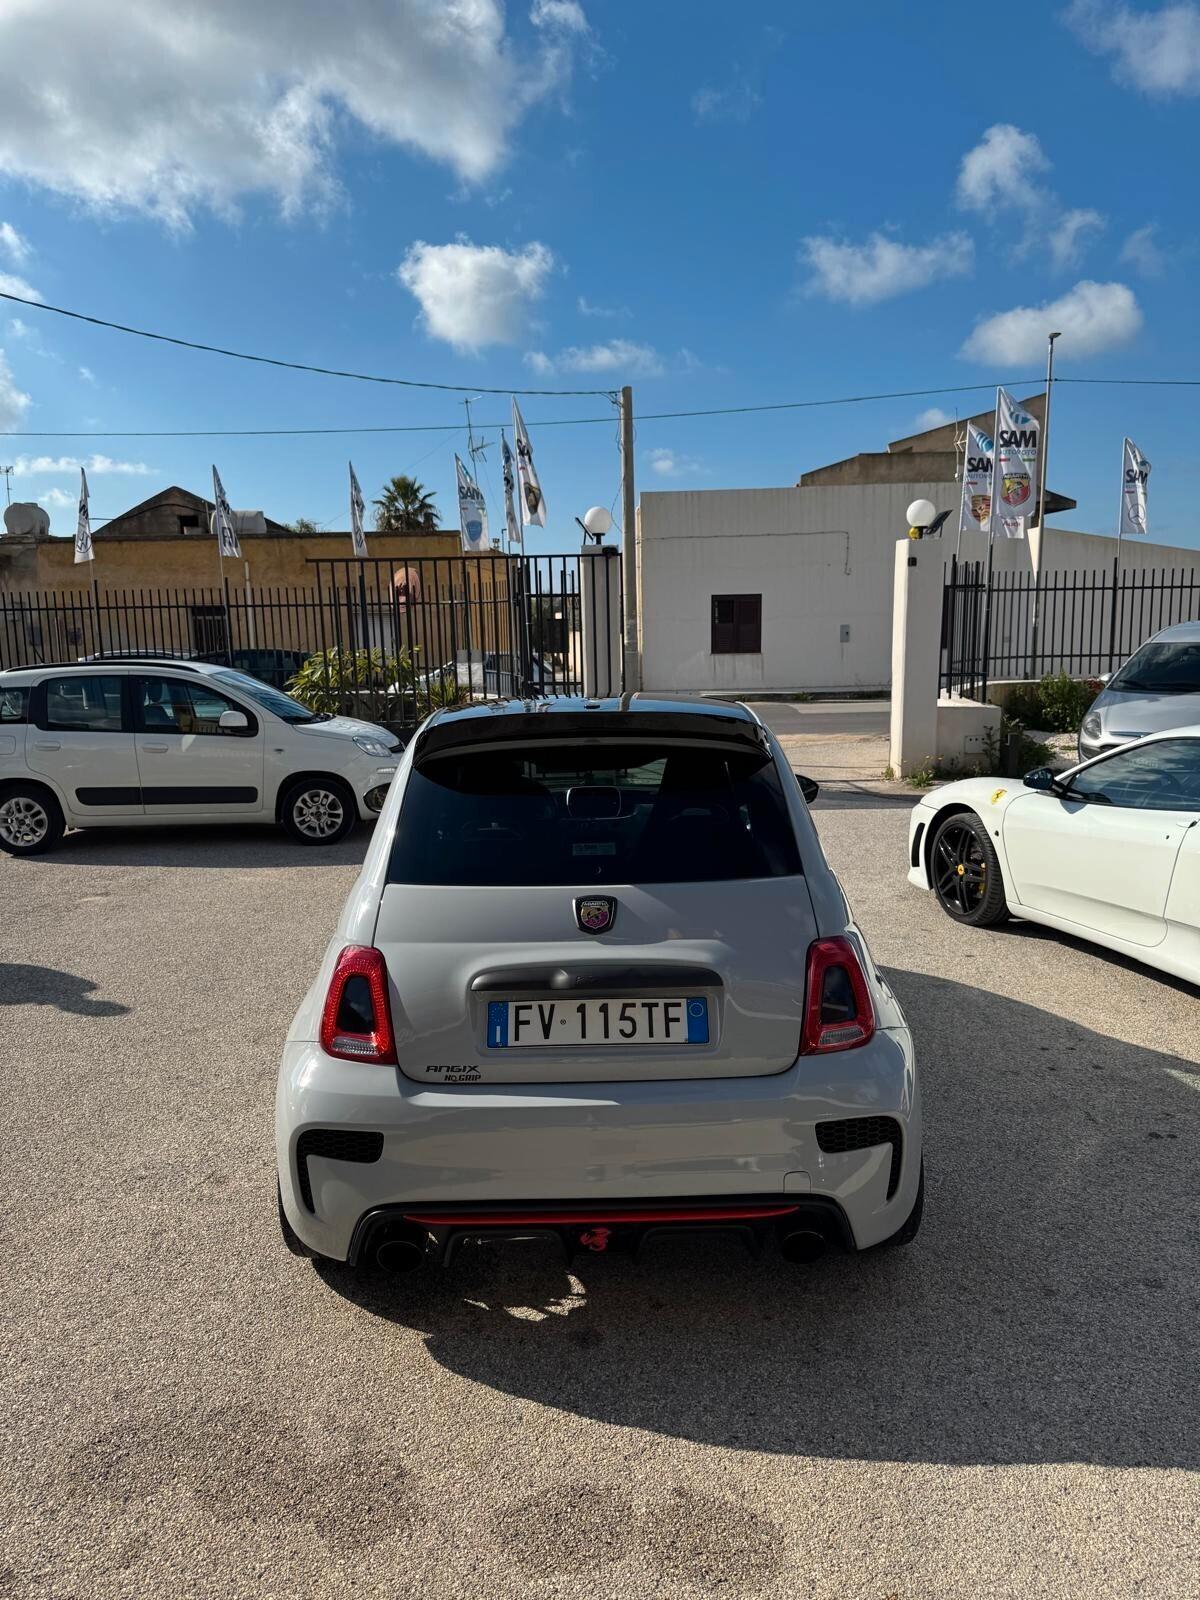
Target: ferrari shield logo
{"type": "Point", "coordinates": [595, 913]}
{"type": "Point", "coordinates": [1015, 490]}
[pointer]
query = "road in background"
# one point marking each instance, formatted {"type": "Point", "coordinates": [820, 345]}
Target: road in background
{"type": "Point", "coordinates": [825, 719]}
{"type": "Point", "coordinates": [1003, 1409]}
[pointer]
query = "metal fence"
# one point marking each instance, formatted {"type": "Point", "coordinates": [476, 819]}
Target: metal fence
{"type": "Point", "coordinates": [1087, 623]}
{"type": "Point", "coordinates": [388, 640]}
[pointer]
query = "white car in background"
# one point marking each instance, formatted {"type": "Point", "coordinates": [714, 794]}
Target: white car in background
{"type": "Point", "coordinates": [1109, 851]}
{"type": "Point", "coordinates": [127, 742]}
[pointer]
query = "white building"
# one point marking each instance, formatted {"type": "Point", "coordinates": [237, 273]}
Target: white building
{"type": "Point", "coordinates": [791, 589]}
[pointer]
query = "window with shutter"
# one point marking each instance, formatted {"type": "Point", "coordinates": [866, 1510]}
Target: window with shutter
{"type": "Point", "coordinates": [736, 624]}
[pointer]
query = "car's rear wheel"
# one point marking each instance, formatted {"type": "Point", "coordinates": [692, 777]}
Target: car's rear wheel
{"type": "Point", "coordinates": [318, 811]}
{"type": "Point", "coordinates": [965, 871]}
{"type": "Point", "coordinates": [31, 820]}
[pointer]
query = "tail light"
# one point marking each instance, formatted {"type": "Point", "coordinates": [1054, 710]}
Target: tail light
{"type": "Point", "coordinates": [356, 1023]}
{"type": "Point", "coordinates": [838, 1014]}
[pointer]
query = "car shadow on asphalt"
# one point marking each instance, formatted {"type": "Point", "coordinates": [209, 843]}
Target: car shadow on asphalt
{"type": "Point", "coordinates": [224, 846]}
{"type": "Point", "coordinates": [1047, 1312]}
{"type": "Point", "coordinates": [1039, 933]}
{"type": "Point", "coordinates": [24, 985]}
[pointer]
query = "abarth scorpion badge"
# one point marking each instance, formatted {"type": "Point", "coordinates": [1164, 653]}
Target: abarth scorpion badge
{"type": "Point", "coordinates": [595, 913]}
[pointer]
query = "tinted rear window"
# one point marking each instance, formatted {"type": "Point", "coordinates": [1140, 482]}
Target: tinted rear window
{"type": "Point", "coordinates": [590, 813]}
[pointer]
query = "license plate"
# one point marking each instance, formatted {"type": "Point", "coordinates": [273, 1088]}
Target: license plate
{"type": "Point", "coordinates": [521, 1024]}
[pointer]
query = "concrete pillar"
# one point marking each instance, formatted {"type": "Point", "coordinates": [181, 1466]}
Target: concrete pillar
{"type": "Point", "coordinates": [600, 619]}
{"type": "Point", "coordinates": [916, 653]}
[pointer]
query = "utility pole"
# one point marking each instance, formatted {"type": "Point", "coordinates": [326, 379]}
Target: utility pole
{"type": "Point", "coordinates": [629, 575]}
{"type": "Point", "coordinates": [1037, 565]}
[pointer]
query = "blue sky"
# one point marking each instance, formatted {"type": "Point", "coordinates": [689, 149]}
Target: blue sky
{"type": "Point", "coordinates": [723, 206]}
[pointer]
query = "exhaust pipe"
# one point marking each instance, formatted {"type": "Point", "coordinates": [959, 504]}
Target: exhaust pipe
{"type": "Point", "coordinates": [400, 1254]}
{"type": "Point", "coordinates": [802, 1245]}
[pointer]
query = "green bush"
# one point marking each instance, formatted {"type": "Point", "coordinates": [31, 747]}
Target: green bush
{"type": "Point", "coordinates": [1058, 704]}
{"type": "Point", "coordinates": [334, 680]}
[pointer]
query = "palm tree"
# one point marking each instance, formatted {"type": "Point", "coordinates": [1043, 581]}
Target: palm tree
{"type": "Point", "coordinates": [405, 506]}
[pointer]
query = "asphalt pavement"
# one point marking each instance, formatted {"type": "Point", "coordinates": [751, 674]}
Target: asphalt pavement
{"type": "Point", "coordinates": [1005, 1409]}
{"type": "Point", "coordinates": [825, 719]}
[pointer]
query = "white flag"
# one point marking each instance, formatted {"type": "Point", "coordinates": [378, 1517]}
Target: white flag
{"type": "Point", "coordinates": [472, 512]}
{"type": "Point", "coordinates": [533, 504]}
{"type": "Point", "coordinates": [84, 550]}
{"type": "Point", "coordinates": [357, 506]}
{"type": "Point", "coordinates": [226, 533]}
{"type": "Point", "coordinates": [1135, 484]}
{"type": "Point", "coordinates": [512, 526]}
{"type": "Point", "coordinates": [975, 511]}
{"type": "Point", "coordinates": [1014, 468]}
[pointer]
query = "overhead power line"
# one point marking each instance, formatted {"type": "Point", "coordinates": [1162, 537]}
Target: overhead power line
{"type": "Point", "coordinates": [275, 361]}
{"type": "Point", "coordinates": [542, 422]}
{"type": "Point", "coordinates": [454, 425]}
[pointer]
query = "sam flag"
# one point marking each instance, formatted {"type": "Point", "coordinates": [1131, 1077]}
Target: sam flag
{"type": "Point", "coordinates": [1014, 468]}
{"type": "Point", "coordinates": [357, 506]}
{"type": "Point", "coordinates": [975, 512]}
{"type": "Point", "coordinates": [511, 524]}
{"type": "Point", "coordinates": [472, 511]}
{"type": "Point", "coordinates": [84, 549]}
{"type": "Point", "coordinates": [533, 504]}
{"type": "Point", "coordinates": [227, 539]}
{"type": "Point", "coordinates": [1135, 485]}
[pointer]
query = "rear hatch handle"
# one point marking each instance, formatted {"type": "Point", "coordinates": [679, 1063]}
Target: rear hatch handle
{"type": "Point", "coordinates": [598, 977]}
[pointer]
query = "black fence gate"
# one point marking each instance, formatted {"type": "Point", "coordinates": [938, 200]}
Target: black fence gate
{"type": "Point", "coordinates": [387, 640]}
{"type": "Point", "coordinates": [1007, 625]}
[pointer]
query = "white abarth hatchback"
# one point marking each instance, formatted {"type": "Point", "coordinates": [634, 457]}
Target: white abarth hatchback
{"type": "Point", "coordinates": [129, 742]}
{"type": "Point", "coordinates": [1109, 851]}
{"type": "Point", "coordinates": [596, 979]}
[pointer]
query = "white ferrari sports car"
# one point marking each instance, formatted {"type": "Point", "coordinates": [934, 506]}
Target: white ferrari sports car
{"type": "Point", "coordinates": [1108, 851]}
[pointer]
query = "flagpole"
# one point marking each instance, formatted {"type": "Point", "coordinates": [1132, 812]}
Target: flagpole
{"type": "Point", "coordinates": [1037, 564]}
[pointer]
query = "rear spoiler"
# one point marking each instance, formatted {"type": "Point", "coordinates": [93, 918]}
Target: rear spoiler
{"type": "Point", "coordinates": [527, 728]}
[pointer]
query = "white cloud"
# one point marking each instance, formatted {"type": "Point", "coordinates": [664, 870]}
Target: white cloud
{"type": "Point", "coordinates": [20, 330]}
{"type": "Point", "coordinates": [14, 245]}
{"type": "Point", "coordinates": [475, 295]}
{"type": "Point", "coordinates": [1070, 235]}
{"type": "Point", "coordinates": [87, 375]}
{"type": "Point", "coordinates": [1001, 171]}
{"type": "Point", "coordinates": [9, 284]}
{"type": "Point", "coordinates": [14, 403]}
{"type": "Point", "coordinates": [670, 464]}
{"type": "Point", "coordinates": [1092, 317]}
{"type": "Point", "coordinates": [195, 106]}
{"type": "Point", "coordinates": [935, 417]}
{"type": "Point", "coordinates": [565, 14]}
{"type": "Point", "coordinates": [57, 498]}
{"type": "Point", "coordinates": [736, 102]}
{"type": "Point", "coordinates": [1157, 52]}
{"type": "Point", "coordinates": [58, 466]}
{"type": "Point", "coordinates": [864, 274]}
{"type": "Point", "coordinates": [587, 309]}
{"type": "Point", "coordinates": [1142, 251]}
{"type": "Point", "coordinates": [615, 356]}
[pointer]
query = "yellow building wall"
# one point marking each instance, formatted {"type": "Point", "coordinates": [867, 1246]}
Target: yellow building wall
{"type": "Point", "coordinates": [192, 562]}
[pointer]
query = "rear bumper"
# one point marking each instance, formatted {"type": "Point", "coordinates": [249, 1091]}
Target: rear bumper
{"type": "Point", "coordinates": [583, 1227]}
{"type": "Point", "coordinates": [590, 1148]}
